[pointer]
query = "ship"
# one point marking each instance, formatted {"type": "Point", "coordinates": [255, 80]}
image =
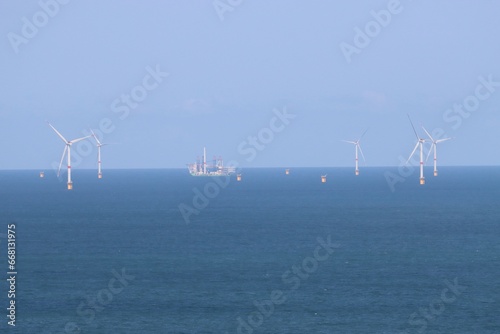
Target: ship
{"type": "Point", "coordinates": [216, 168]}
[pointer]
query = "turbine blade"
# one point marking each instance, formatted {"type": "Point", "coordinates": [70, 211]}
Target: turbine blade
{"type": "Point", "coordinates": [350, 142]}
{"type": "Point", "coordinates": [60, 135]}
{"type": "Point", "coordinates": [362, 134]}
{"type": "Point", "coordinates": [441, 140]}
{"type": "Point", "coordinates": [433, 147]}
{"type": "Point", "coordinates": [62, 158]}
{"type": "Point", "coordinates": [413, 152]}
{"type": "Point", "coordinates": [413, 127]}
{"type": "Point", "coordinates": [428, 134]}
{"type": "Point", "coordinates": [361, 151]}
{"type": "Point", "coordinates": [78, 139]}
{"type": "Point", "coordinates": [95, 137]}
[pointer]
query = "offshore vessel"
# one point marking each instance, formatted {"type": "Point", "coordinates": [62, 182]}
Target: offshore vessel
{"type": "Point", "coordinates": [216, 168]}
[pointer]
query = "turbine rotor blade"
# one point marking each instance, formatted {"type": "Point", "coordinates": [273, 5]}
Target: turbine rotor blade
{"type": "Point", "coordinates": [62, 158]}
{"type": "Point", "coordinates": [433, 147]}
{"type": "Point", "coordinates": [60, 135]}
{"type": "Point", "coordinates": [78, 139]}
{"type": "Point", "coordinates": [413, 152]}
{"type": "Point", "coordinates": [362, 134]}
{"type": "Point", "coordinates": [413, 127]}
{"type": "Point", "coordinates": [441, 140]}
{"type": "Point", "coordinates": [361, 151]}
{"type": "Point", "coordinates": [350, 142]}
{"type": "Point", "coordinates": [95, 137]}
{"type": "Point", "coordinates": [428, 134]}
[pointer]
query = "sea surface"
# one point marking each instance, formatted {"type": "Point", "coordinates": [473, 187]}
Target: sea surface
{"type": "Point", "coordinates": [160, 251]}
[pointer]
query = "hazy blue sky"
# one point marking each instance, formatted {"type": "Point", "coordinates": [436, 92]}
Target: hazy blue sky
{"type": "Point", "coordinates": [228, 71]}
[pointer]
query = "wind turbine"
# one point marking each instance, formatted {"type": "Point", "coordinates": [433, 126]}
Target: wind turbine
{"type": "Point", "coordinates": [357, 146]}
{"type": "Point", "coordinates": [434, 148]}
{"type": "Point", "coordinates": [420, 142]}
{"type": "Point", "coordinates": [68, 149]}
{"type": "Point", "coordinates": [99, 144]}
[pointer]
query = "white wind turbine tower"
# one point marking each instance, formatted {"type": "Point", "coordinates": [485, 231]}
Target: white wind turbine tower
{"type": "Point", "coordinates": [434, 148]}
{"type": "Point", "coordinates": [357, 147]}
{"type": "Point", "coordinates": [68, 149]}
{"type": "Point", "coordinates": [99, 144]}
{"type": "Point", "coordinates": [420, 142]}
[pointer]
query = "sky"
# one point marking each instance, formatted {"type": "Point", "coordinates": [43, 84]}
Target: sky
{"type": "Point", "coordinates": [263, 83]}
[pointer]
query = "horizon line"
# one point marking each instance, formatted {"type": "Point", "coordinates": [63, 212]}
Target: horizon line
{"type": "Point", "coordinates": [261, 167]}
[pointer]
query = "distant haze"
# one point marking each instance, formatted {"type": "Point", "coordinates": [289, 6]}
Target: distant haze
{"type": "Point", "coordinates": [264, 83]}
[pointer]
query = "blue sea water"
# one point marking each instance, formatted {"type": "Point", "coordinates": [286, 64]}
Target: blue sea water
{"type": "Point", "coordinates": [348, 256]}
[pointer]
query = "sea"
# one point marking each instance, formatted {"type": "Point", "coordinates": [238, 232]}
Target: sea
{"type": "Point", "coordinates": [161, 251]}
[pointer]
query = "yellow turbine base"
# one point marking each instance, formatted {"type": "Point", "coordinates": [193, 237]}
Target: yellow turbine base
{"type": "Point", "coordinates": [99, 176]}
{"type": "Point", "coordinates": [70, 185]}
{"type": "Point", "coordinates": [357, 172]}
{"type": "Point", "coordinates": [422, 180]}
